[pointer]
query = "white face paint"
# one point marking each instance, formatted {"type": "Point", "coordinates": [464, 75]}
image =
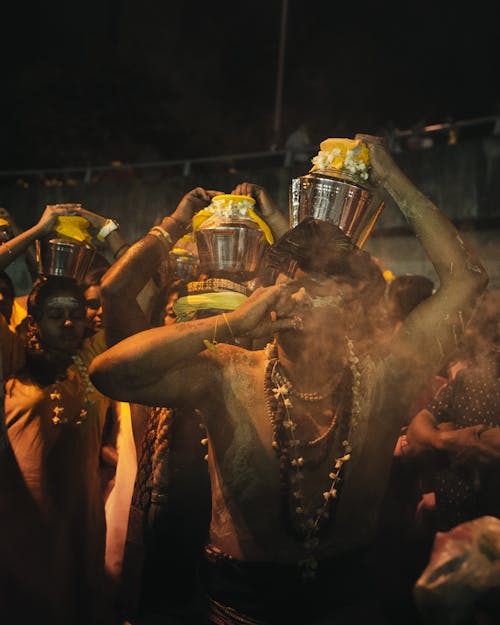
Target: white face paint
{"type": "Point", "coordinates": [305, 301]}
{"type": "Point", "coordinates": [63, 322]}
{"type": "Point", "coordinates": [60, 301]}
{"type": "Point", "coordinates": [329, 301]}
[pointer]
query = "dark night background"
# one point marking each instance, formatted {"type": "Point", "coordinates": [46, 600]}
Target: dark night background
{"type": "Point", "coordinates": [142, 80]}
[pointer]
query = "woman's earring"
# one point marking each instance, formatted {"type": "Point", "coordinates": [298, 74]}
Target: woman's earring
{"type": "Point", "coordinates": [32, 338]}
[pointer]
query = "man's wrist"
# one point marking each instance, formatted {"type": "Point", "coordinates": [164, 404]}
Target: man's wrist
{"type": "Point", "coordinates": [178, 220]}
{"type": "Point", "coordinates": [110, 225]}
{"type": "Point", "coordinates": [174, 227]}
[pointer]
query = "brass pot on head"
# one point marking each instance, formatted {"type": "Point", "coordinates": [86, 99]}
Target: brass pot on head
{"type": "Point", "coordinates": [338, 196]}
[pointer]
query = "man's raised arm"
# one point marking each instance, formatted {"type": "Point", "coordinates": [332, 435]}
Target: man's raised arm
{"type": "Point", "coordinates": [433, 329]}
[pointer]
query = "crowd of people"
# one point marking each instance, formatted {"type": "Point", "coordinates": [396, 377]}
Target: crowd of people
{"type": "Point", "coordinates": [186, 446]}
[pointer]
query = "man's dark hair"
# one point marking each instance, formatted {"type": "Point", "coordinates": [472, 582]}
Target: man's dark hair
{"type": "Point", "coordinates": [95, 272]}
{"type": "Point", "coordinates": [406, 292]}
{"type": "Point", "coordinates": [318, 246]}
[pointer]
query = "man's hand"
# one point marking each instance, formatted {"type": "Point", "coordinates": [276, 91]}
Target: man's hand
{"type": "Point", "coordinates": [463, 443]}
{"type": "Point", "coordinates": [265, 204]}
{"type": "Point", "coordinates": [381, 161]}
{"type": "Point", "coordinates": [192, 202]}
{"type": "Point", "coordinates": [95, 220]}
{"type": "Point", "coordinates": [267, 311]}
{"type": "Point", "coordinates": [47, 221]}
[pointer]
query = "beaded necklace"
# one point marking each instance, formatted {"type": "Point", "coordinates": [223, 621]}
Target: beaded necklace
{"type": "Point", "coordinates": [58, 416]}
{"type": "Point", "coordinates": [279, 374]}
{"type": "Point", "coordinates": [305, 525]}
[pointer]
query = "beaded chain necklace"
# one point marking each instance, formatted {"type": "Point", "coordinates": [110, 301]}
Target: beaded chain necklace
{"type": "Point", "coordinates": [58, 416]}
{"type": "Point", "coordinates": [291, 390]}
{"type": "Point", "coordinates": [305, 526]}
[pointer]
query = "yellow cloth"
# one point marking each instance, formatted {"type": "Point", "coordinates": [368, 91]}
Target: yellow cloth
{"type": "Point", "coordinates": [19, 311]}
{"type": "Point", "coordinates": [185, 307]}
{"type": "Point", "coordinates": [339, 153]}
{"type": "Point", "coordinates": [205, 213]}
{"type": "Point", "coordinates": [74, 227]}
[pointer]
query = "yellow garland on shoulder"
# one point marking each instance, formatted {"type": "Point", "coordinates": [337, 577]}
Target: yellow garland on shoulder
{"type": "Point", "coordinates": [205, 213]}
{"type": "Point", "coordinates": [73, 227]}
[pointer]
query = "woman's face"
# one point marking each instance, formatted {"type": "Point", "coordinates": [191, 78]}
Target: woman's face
{"type": "Point", "coordinates": [170, 315]}
{"type": "Point", "coordinates": [94, 307]}
{"type": "Point", "coordinates": [63, 323]}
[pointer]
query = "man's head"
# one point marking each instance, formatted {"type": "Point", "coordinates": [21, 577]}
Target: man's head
{"type": "Point", "coordinates": [406, 292]}
{"type": "Point", "coordinates": [56, 310]}
{"type": "Point", "coordinates": [339, 285]}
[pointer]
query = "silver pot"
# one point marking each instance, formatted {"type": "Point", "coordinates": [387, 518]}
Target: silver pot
{"type": "Point", "coordinates": [233, 250]}
{"type": "Point", "coordinates": [63, 257]}
{"type": "Point", "coordinates": [183, 266]}
{"type": "Point", "coordinates": [351, 204]}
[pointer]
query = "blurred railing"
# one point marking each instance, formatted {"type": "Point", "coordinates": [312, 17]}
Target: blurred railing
{"type": "Point", "coordinates": [461, 176]}
{"type": "Point", "coordinates": [266, 158]}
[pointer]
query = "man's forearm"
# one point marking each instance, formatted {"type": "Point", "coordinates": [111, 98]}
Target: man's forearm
{"type": "Point", "coordinates": [144, 358]}
{"type": "Point", "coordinates": [452, 259]}
{"type": "Point", "coordinates": [422, 434]}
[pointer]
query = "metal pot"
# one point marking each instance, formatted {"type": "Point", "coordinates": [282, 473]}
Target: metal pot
{"type": "Point", "coordinates": [231, 250]}
{"type": "Point", "coordinates": [183, 266]}
{"type": "Point", "coordinates": [351, 204]}
{"type": "Point", "coordinates": [63, 257]}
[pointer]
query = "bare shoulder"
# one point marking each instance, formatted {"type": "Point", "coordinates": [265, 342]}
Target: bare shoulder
{"type": "Point", "coordinates": [203, 378]}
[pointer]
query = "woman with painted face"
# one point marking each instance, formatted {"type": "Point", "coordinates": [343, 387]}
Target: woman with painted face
{"type": "Point", "coordinates": [52, 439]}
{"type": "Point", "coordinates": [54, 418]}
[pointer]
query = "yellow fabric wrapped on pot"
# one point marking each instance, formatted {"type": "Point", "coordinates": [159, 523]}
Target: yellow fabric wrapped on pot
{"type": "Point", "coordinates": [349, 155]}
{"type": "Point", "coordinates": [229, 206]}
{"type": "Point", "coordinates": [73, 227]}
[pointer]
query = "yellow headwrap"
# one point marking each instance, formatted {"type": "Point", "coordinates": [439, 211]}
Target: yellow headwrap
{"type": "Point", "coordinates": [226, 204]}
{"type": "Point", "coordinates": [74, 227]}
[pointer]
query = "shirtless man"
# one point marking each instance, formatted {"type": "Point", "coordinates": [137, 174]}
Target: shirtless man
{"type": "Point", "coordinates": [301, 434]}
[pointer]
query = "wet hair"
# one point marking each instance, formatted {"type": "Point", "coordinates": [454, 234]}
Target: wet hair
{"type": "Point", "coordinates": [44, 287]}
{"type": "Point", "coordinates": [95, 272]}
{"type": "Point", "coordinates": [406, 292]}
{"type": "Point", "coordinates": [318, 246]}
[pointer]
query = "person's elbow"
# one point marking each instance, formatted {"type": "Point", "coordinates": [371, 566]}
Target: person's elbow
{"type": "Point", "coordinates": [109, 377]}
{"type": "Point", "coordinates": [477, 278]}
